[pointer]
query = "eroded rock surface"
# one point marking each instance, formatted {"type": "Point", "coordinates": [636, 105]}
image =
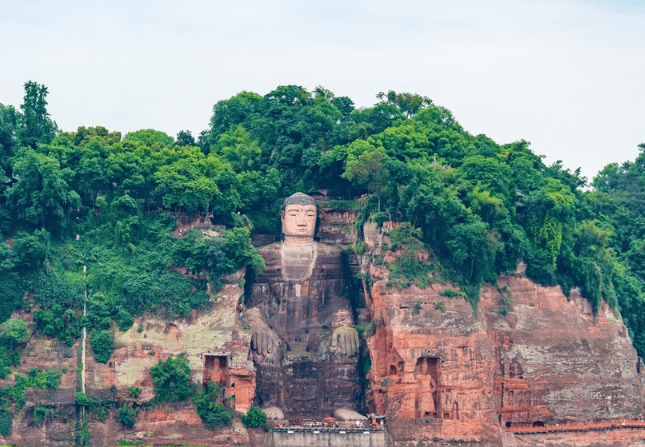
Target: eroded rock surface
{"type": "Point", "coordinates": [457, 376]}
{"type": "Point", "coordinates": [442, 374]}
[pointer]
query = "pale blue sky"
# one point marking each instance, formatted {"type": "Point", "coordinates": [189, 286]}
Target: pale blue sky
{"type": "Point", "coordinates": [568, 76]}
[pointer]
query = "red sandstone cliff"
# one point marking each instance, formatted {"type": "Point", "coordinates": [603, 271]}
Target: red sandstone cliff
{"type": "Point", "coordinates": [455, 375]}
{"type": "Point", "coordinates": [441, 377]}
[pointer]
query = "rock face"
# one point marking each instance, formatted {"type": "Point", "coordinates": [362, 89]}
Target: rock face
{"type": "Point", "coordinates": [431, 366]}
{"type": "Point", "coordinates": [442, 374]}
{"type": "Point", "coordinates": [217, 348]}
{"type": "Point", "coordinates": [439, 371]}
{"type": "Point", "coordinates": [336, 226]}
{"type": "Point", "coordinates": [45, 354]}
{"type": "Point", "coordinates": [557, 362]}
{"type": "Point", "coordinates": [215, 344]}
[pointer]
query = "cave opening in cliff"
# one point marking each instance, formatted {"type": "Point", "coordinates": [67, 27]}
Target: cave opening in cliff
{"type": "Point", "coordinates": [215, 369]}
{"type": "Point", "coordinates": [428, 366]}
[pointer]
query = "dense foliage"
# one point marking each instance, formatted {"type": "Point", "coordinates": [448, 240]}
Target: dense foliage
{"type": "Point", "coordinates": [171, 378]}
{"type": "Point", "coordinates": [614, 238]}
{"type": "Point", "coordinates": [255, 417]}
{"type": "Point", "coordinates": [127, 415]}
{"type": "Point", "coordinates": [102, 345]}
{"type": "Point", "coordinates": [98, 199]}
{"type": "Point", "coordinates": [91, 199]}
{"type": "Point", "coordinates": [13, 333]}
{"type": "Point", "coordinates": [211, 407]}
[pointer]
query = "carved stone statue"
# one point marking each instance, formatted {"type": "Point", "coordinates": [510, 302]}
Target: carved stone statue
{"type": "Point", "coordinates": [304, 343]}
{"type": "Point", "coordinates": [427, 386]}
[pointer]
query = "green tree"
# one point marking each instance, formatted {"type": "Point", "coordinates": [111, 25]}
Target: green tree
{"type": "Point", "coordinates": [102, 345]}
{"type": "Point", "coordinates": [213, 414]}
{"type": "Point", "coordinates": [254, 418]}
{"type": "Point", "coordinates": [185, 183]}
{"type": "Point", "coordinates": [35, 124]}
{"type": "Point", "coordinates": [232, 112]}
{"type": "Point", "coordinates": [238, 148]}
{"type": "Point", "coordinates": [29, 250]}
{"type": "Point", "coordinates": [150, 137]}
{"type": "Point", "coordinates": [185, 138]}
{"type": "Point", "coordinates": [408, 103]}
{"type": "Point", "coordinates": [127, 415]}
{"type": "Point", "coordinates": [14, 332]}
{"type": "Point", "coordinates": [375, 119]}
{"type": "Point", "coordinates": [93, 170]}
{"type": "Point", "coordinates": [131, 169]}
{"type": "Point", "coordinates": [84, 135]}
{"type": "Point", "coordinates": [548, 216]}
{"type": "Point", "coordinates": [473, 248]}
{"type": "Point", "coordinates": [171, 379]}
{"type": "Point", "coordinates": [8, 130]}
{"type": "Point", "coordinates": [42, 196]}
{"type": "Point", "coordinates": [368, 169]}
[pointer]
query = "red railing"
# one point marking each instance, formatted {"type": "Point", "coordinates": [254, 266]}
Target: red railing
{"type": "Point", "coordinates": [577, 427]}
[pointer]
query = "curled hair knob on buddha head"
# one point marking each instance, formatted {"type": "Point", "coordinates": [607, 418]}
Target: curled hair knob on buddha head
{"type": "Point", "coordinates": [297, 199]}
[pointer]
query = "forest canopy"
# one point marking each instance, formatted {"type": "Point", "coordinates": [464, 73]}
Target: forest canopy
{"type": "Point", "coordinates": [94, 197]}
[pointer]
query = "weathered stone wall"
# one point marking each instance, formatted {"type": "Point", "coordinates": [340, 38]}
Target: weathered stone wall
{"type": "Point", "coordinates": [456, 376]}
{"type": "Point", "coordinates": [336, 226]}
{"type": "Point", "coordinates": [217, 348]}
{"type": "Point", "coordinates": [459, 405]}
{"type": "Point", "coordinates": [45, 354]}
{"type": "Point", "coordinates": [217, 333]}
{"type": "Point", "coordinates": [169, 425]}
{"type": "Point", "coordinates": [452, 377]}
{"type": "Point", "coordinates": [557, 361]}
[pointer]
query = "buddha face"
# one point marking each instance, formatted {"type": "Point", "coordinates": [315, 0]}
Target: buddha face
{"type": "Point", "coordinates": [299, 221]}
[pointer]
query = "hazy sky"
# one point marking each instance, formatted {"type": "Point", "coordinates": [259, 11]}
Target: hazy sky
{"type": "Point", "coordinates": [568, 76]}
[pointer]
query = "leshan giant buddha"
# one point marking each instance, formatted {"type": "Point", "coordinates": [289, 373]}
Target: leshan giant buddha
{"type": "Point", "coordinates": [304, 344]}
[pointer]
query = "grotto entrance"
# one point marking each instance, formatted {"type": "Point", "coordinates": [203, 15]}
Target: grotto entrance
{"type": "Point", "coordinates": [215, 369]}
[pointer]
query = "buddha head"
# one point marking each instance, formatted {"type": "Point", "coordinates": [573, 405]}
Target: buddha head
{"type": "Point", "coordinates": [298, 216]}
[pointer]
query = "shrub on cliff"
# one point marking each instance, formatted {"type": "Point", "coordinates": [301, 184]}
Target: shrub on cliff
{"type": "Point", "coordinates": [5, 421]}
{"type": "Point", "coordinates": [171, 379]}
{"type": "Point", "coordinates": [12, 397]}
{"type": "Point", "coordinates": [42, 413]}
{"type": "Point", "coordinates": [84, 400]}
{"type": "Point", "coordinates": [13, 332]}
{"type": "Point", "coordinates": [102, 345]}
{"type": "Point", "coordinates": [214, 414]}
{"type": "Point", "coordinates": [410, 267]}
{"type": "Point", "coordinates": [254, 418]}
{"type": "Point", "coordinates": [219, 255]}
{"type": "Point", "coordinates": [59, 293]}
{"type": "Point", "coordinates": [127, 415]}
